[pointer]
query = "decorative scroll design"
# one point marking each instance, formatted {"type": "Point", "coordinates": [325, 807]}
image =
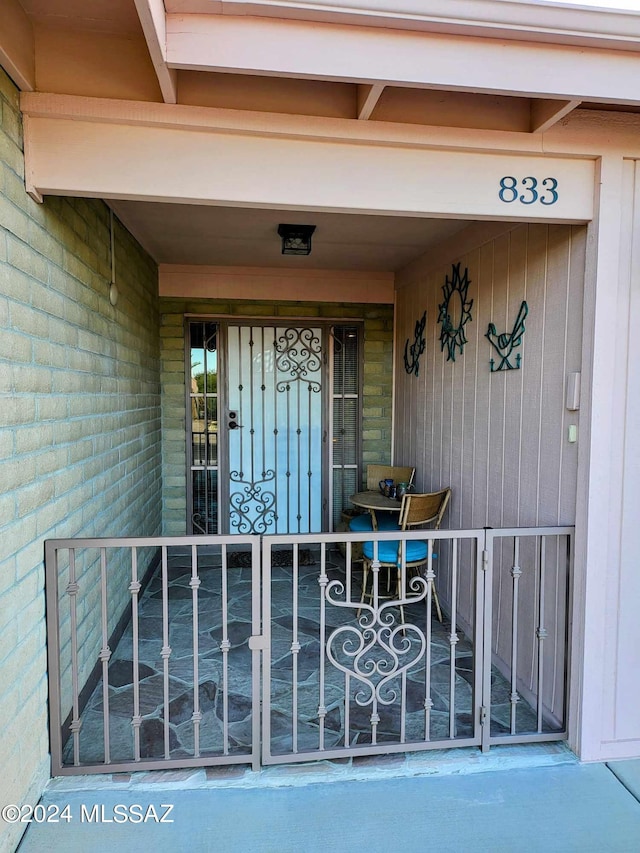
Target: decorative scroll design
{"type": "Point", "coordinates": [412, 353]}
{"type": "Point", "coordinates": [298, 353]}
{"type": "Point", "coordinates": [377, 650]}
{"type": "Point", "coordinates": [505, 343]}
{"type": "Point", "coordinates": [210, 335]}
{"type": "Point", "coordinates": [455, 312]}
{"type": "Point", "coordinates": [252, 510]}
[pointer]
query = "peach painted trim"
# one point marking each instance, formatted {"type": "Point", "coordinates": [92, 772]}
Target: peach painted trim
{"type": "Point", "coordinates": [154, 25]}
{"type": "Point", "coordinates": [17, 52]}
{"type": "Point", "coordinates": [258, 283]}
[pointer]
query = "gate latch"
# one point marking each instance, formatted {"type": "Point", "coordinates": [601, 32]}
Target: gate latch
{"type": "Point", "coordinates": [258, 642]}
{"type": "Point", "coordinates": [483, 715]}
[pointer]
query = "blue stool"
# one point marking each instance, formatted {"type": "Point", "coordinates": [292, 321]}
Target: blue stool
{"type": "Point", "coordinates": [363, 524]}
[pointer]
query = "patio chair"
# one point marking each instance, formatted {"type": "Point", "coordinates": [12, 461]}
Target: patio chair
{"type": "Point", "coordinates": [381, 521]}
{"type": "Point", "coordinates": [416, 510]}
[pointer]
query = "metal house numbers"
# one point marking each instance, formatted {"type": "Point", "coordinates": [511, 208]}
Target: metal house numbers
{"type": "Point", "coordinates": [505, 343]}
{"type": "Point", "coordinates": [412, 353]}
{"type": "Point", "coordinates": [455, 312]}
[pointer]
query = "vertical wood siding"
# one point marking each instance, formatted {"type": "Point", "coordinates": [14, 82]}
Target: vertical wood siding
{"type": "Point", "coordinates": [621, 578]}
{"type": "Point", "coordinates": [500, 440]}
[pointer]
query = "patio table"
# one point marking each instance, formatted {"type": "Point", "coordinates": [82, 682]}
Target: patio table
{"type": "Point", "coordinates": [375, 502]}
{"type": "Point", "coordinates": [372, 501]}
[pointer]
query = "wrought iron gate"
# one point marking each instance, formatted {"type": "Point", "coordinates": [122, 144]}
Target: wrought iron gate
{"type": "Point", "coordinates": [156, 647]}
{"type": "Point", "coordinates": [276, 429]}
{"type": "Point", "coordinates": [347, 673]}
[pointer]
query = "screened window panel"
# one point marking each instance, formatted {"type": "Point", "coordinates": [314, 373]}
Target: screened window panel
{"type": "Point", "coordinates": [345, 431]}
{"type": "Point", "coordinates": [344, 485]}
{"type": "Point", "coordinates": [345, 360]}
{"type": "Point", "coordinates": [205, 501]}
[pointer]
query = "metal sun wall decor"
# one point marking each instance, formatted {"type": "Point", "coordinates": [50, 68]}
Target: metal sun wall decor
{"type": "Point", "coordinates": [505, 343]}
{"type": "Point", "coordinates": [455, 312]}
{"type": "Point", "coordinates": [412, 353]}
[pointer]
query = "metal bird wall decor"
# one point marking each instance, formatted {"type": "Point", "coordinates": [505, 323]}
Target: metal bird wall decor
{"type": "Point", "coordinates": [505, 343]}
{"type": "Point", "coordinates": [412, 353]}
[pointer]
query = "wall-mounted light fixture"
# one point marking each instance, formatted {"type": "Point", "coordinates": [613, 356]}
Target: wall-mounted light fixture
{"type": "Point", "coordinates": [296, 239]}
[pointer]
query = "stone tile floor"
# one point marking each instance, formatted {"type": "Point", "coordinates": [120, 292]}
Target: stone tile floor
{"type": "Point", "coordinates": [383, 668]}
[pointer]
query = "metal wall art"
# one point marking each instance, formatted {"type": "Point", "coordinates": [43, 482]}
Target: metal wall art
{"type": "Point", "coordinates": [412, 353]}
{"type": "Point", "coordinates": [455, 312]}
{"type": "Point", "coordinates": [505, 343]}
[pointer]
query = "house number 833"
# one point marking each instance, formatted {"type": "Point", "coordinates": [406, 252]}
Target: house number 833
{"type": "Point", "coordinates": [528, 190]}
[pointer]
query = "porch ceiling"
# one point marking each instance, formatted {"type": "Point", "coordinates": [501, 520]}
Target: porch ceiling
{"type": "Point", "coordinates": [234, 236]}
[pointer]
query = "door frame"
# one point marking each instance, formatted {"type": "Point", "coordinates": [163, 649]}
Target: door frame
{"type": "Point", "coordinates": [224, 322]}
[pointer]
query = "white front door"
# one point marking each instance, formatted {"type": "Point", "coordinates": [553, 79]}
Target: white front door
{"type": "Point", "coordinates": [275, 428]}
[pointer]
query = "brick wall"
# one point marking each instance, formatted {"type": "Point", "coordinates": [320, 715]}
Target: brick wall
{"type": "Point", "coordinates": [377, 385]}
{"type": "Point", "coordinates": [79, 425]}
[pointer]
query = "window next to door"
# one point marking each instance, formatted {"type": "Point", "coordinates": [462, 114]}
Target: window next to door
{"type": "Point", "coordinates": [347, 417]}
{"type": "Point", "coordinates": [203, 418]}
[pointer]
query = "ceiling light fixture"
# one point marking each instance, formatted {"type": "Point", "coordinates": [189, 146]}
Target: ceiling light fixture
{"type": "Point", "coordinates": [296, 239]}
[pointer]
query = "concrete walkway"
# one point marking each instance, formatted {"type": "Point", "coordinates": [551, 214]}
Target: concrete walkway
{"type": "Point", "coordinates": [563, 806]}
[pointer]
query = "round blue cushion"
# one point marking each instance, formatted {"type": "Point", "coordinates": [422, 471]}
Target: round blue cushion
{"type": "Point", "coordinates": [362, 523]}
{"type": "Point", "coordinates": [388, 551]}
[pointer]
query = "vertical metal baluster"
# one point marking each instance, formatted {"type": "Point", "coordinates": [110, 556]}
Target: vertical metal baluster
{"type": "Point", "coordinates": [403, 706]}
{"type": "Point", "coordinates": [428, 701]}
{"type": "Point", "coordinates": [105, 654]}
{"type": "Point", "coordinates": [134, 588]}
{"type": "Point", "coordinates": [295, 648]}
{"type": "Point", "coordinates": [541, 631]}
{"type": "Point", "coordinates": [276, 458]}
{"type": "Point", "coordinates": [288, 471]}
{"type": "Point", "coordinates": [165, 652]}
{"type": "Point", "coordinates": [453, 639]}
{"type": "Point", "coordinates": [516, 571]}
{"type": "Point", "coordinates": [240, 410]}
{"type": "Point", "coordinates": [347, 681]}
{"type": "Point", "coordinates": [375, 571]}
{"type": "Point", "coordinates": [267, 580]}
{"type": "Point", "coordinates": [72, 592]}
{"type": "Point", "coordinates": [347, 708]}
{"type": "Point", "coordinates": [258, 654]}
{"type": "Point", "coordinates": [567, 627]}
{"type": "Point", "coordinates": [348, 571]}
{"type": "Point", "coordinates": [298, 457]}
{"type": "Point", "coordinates": [252, 424]}
{"type": "Point", "coordinates": [309, 454]}
{"type": "Point", "coordinates": [225, 645]}
{"type": "Point", "coordinates": [196, 717]}
{"type": "Point", "coordinates": [263, 405]}
{"type": "Point", "coordinates": [556, 637]}
{"type": "Point", "coordinates": [322, 582]}
{"type": "Point", "coordinates": [402, 578]}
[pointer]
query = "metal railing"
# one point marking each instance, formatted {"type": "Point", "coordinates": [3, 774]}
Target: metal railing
{"type": "Point", "coordinates": [127, 682]}
{"type": "Point", "coordinates": [162, 650]}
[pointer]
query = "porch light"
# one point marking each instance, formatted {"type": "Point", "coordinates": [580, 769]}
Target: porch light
{"type": "Point", "coordinates": [296, 239]}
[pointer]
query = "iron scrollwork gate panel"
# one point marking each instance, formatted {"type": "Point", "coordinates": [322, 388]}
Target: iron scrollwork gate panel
{"type": "Point", "coordinates": [275, 429]}
{"type": "Point", "coordinates": [343, 675]}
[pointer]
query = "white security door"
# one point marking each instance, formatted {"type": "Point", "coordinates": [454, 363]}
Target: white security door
{"type": "Point", "coordinates": [275, 427]}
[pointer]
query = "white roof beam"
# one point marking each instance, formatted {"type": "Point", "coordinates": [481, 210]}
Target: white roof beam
{"type": "Point", "coordinates": [107, 149]}
{"type": "Point", "coordinates": [513, 19]}
{"type": "Point", "coordinates": [544, 114]}
{"type": "Point", "coordinates": [368, 97]}
{"type": "Point", "coordinates": [153, 19]}
{"type": "Point", "coordinates": [391, 57]}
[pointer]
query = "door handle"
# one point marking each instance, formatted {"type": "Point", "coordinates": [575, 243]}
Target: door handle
{"type": "Point", "coordinates": [234, 425]}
